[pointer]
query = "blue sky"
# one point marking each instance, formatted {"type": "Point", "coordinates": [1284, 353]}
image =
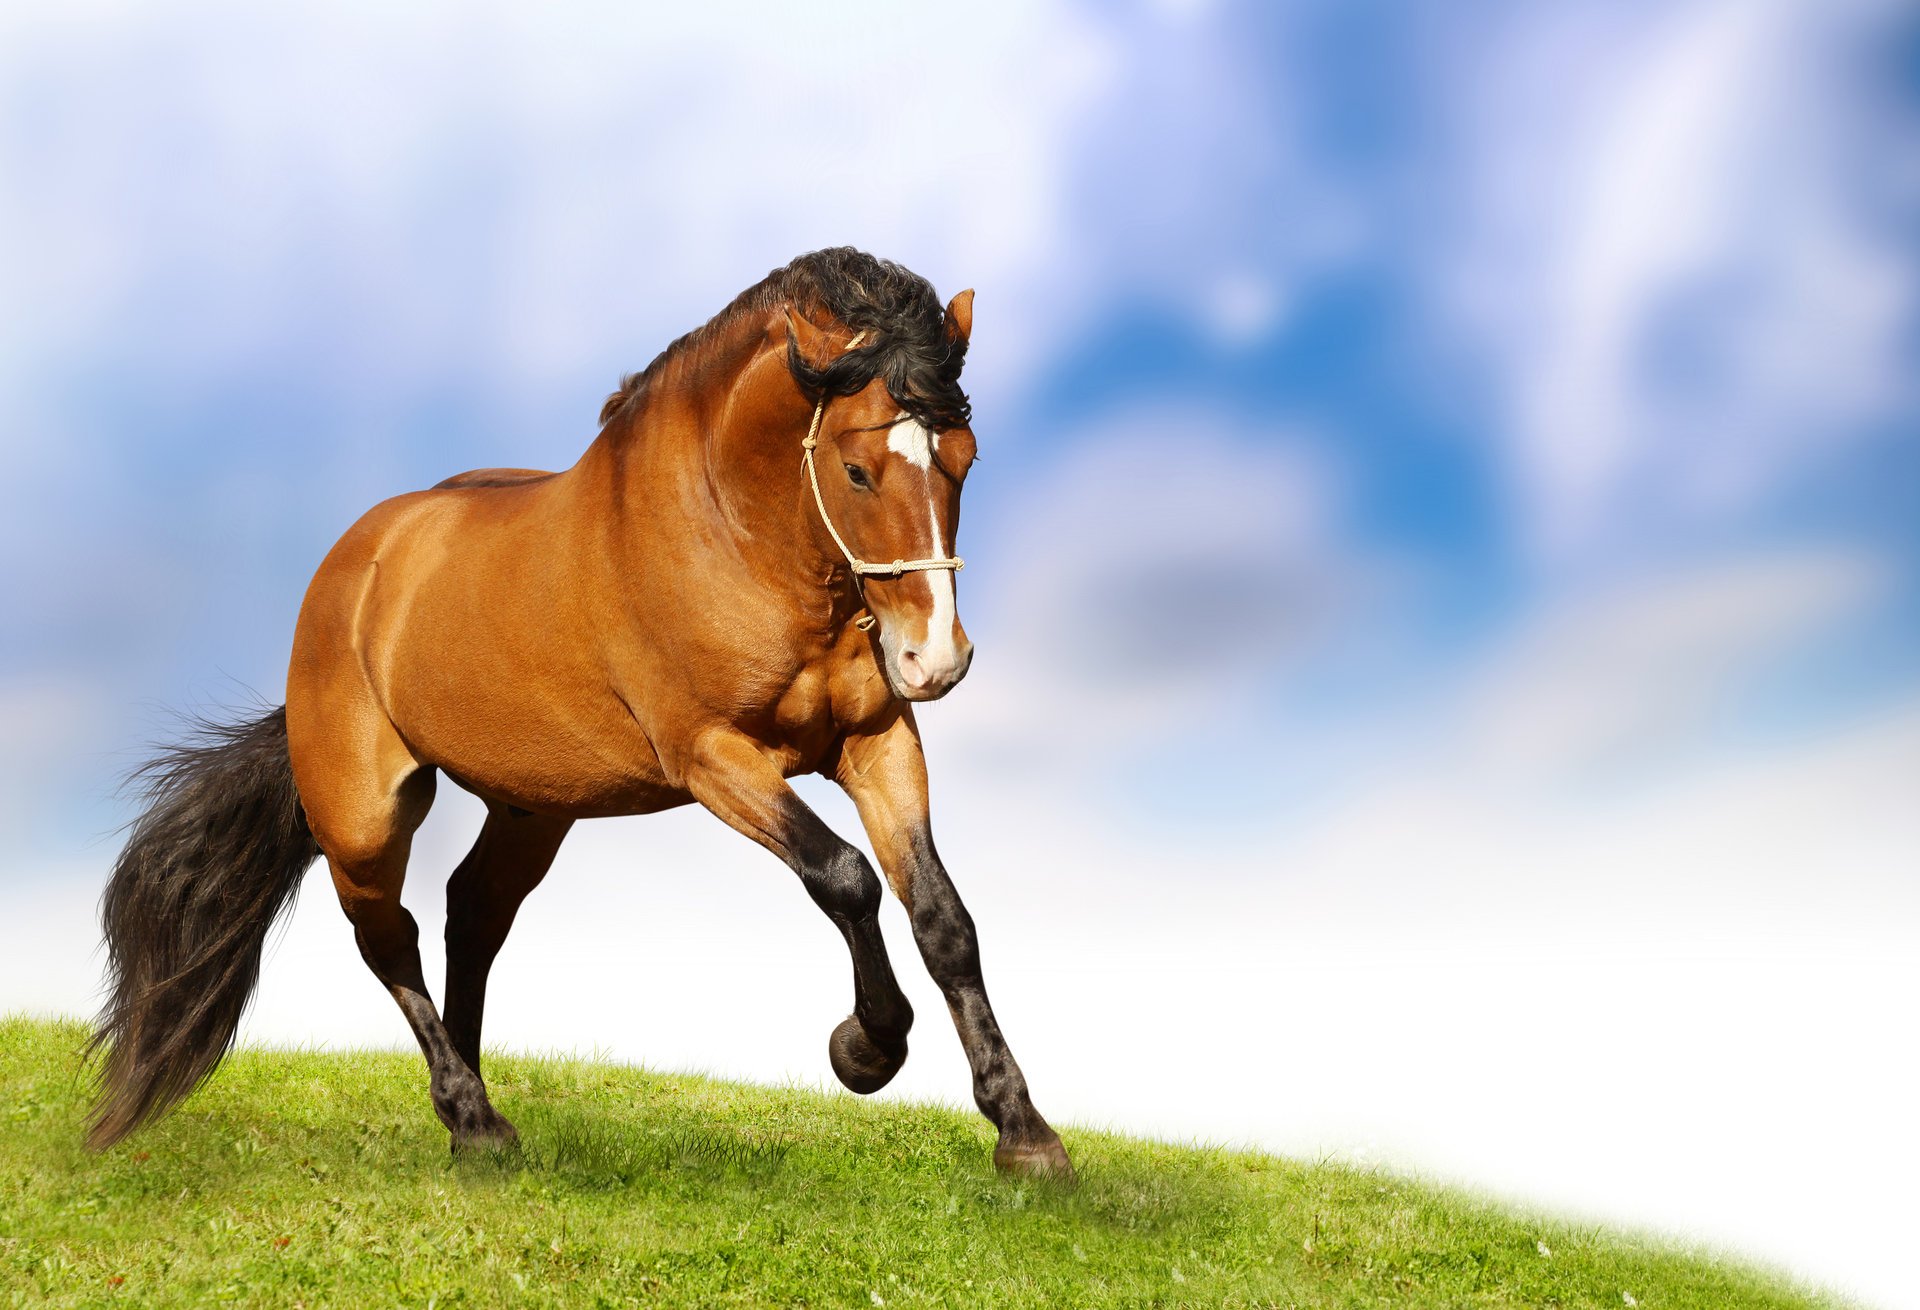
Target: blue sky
{"type": "Point", "coordinates": [1450, 471]}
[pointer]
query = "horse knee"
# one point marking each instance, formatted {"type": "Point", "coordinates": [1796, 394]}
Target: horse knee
{"type": "Point", "coordinates": [843, 884]}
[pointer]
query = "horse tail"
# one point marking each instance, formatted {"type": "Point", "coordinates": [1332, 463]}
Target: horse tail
{"type": "Point", "coordinates": [216, 855]}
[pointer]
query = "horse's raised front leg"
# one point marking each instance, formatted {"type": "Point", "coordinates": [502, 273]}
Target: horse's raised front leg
{"type": "Point", "coordinates": [738, 783]}
{"type": "Point", "coordinates": [886, 775]}
{"type": "Point", "coordinates": [508, 860]}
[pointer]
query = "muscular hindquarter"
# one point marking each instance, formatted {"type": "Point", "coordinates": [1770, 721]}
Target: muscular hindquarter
{"type": "Point", "coordinates": [431, 636]}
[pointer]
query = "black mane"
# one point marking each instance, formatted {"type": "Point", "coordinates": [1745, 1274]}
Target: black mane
{"type": "Point", "coordinates": [906, 345]}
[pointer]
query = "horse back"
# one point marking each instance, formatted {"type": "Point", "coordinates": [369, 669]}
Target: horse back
{"type": "Point", "coordinates": [491, 478]}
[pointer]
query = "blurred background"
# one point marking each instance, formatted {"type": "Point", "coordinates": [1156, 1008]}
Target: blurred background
{"type": "Point", "coordinates": [1445, 561]}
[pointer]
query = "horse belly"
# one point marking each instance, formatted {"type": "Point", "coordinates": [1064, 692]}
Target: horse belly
{"type": "Point", "coordinates": [528, 739]}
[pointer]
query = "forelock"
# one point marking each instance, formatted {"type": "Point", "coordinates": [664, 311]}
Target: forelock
{"type": "Point", "coordinates": [906, 344]}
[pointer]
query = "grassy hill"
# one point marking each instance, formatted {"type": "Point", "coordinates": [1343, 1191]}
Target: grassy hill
{"type": "Point", "coordinates": [323, 1180]}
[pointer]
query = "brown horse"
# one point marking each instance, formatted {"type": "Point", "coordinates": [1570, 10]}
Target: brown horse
{"type": "Point", "coordinates": [683, 615]}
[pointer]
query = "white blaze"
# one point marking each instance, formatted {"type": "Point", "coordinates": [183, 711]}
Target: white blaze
{"type": "Point", "coordinates": [940, 650]}
{"type": "Point", "coordinates": [915, 444]}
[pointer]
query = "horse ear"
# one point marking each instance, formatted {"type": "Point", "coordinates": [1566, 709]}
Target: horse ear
{"type": "Point", "coordinates": [811, 340]}
{"type": "Point", "coordinates": [960, 316]}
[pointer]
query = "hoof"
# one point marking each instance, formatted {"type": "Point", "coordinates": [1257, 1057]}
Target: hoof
{"type": "Point", "coordinates": [1042, 1157]}
{"type": "Point", "coordinates": [496, 1139]}
{"type": "Point", "coordinates": [858, 1063]}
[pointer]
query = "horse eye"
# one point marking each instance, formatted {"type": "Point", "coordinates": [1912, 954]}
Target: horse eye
{"type": "Point", "coordinates": [858, 476]}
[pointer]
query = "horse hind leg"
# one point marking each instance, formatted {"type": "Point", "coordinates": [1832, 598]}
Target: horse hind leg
{"type": "Point", "coordinates": [508, 860]}
{"type": "Point", "coordinates": [367, 843]}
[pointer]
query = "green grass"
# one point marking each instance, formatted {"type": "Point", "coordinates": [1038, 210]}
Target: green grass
{"type": "Point", "coordinates": [323, 1180]}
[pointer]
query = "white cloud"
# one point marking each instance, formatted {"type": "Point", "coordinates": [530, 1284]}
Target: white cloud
{"type": "Point", "coordinates": [1244, 306]}
{"type": "Point", "coordinates": [1151, 574]}
{"type": "Point", "coordinates": [1628, 672]}
{"type": "Point", "coordinates": [1667, 241]}
{"type": "Point", "coordinates": [43, 717]}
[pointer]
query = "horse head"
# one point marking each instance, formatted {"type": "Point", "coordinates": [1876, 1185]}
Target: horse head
{"type": "Point", "coordinates": [887, 482]}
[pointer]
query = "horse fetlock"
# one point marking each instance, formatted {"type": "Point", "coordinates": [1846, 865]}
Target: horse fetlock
{"type": "Point", "coordinates": [461, 1102]}
{"type": "Point", "coordinates": [862, 1063]}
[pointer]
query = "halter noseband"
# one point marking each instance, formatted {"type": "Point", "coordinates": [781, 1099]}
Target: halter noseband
{"type": "Point", "coordinates": [861, 568]}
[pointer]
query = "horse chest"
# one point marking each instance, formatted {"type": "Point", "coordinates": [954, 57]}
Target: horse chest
{"type": "Point", "coordinates": [825, 700]}
{"type": "Point", "coordinates": [805, 708]}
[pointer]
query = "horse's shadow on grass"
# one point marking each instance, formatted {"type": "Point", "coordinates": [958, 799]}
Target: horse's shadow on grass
{"type": "Point", "coordinates": [581, 1151]}
{"type": "Point", "coordinates": [591, 1153]}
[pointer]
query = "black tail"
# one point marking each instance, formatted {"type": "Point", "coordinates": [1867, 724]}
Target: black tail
{"type": "Point", "coordinates": [216, 857]}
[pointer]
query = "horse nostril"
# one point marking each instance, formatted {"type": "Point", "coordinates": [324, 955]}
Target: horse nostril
{"type": "Point", "coordinates": [912, 670]}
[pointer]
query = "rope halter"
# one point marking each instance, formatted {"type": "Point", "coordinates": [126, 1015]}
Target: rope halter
{"type": "Point", "coordinates": [861, 568]}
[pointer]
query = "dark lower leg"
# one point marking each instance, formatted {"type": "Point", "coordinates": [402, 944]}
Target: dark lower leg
{"type": "Point", "coordinates": [948, 943]}
{"type": "Point", "coordinates": [466, 1004]}
{"type": "Point", "coordinates": [389, 941]}
{"type": "Point", "coordinates": [508, 860]}
{"type": "Point", "coordinates": [470, 951]}
{"type": "Point", "coordinates": [869, 1047]}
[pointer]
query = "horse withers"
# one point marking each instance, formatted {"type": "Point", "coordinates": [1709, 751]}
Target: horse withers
{"type": "Point", "coordinates": [747, 576]}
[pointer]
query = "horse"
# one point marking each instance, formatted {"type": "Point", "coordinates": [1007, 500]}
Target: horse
{"type": "Point", "coordinates": [746, 577]}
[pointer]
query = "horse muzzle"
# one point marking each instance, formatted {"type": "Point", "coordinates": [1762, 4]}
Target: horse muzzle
{"type": "Point", "coordinates": [929, 670]}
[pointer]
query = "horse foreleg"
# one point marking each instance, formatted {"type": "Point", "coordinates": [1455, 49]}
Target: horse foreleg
{"type": "Point", "coordinates": [508, 860]}
{"type": "Point", "coordinates": [886, 775]}
{"type": "Point", "coordinates": [738, 783]}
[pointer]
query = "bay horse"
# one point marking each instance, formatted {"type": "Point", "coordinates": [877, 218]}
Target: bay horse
{"type": "Point", "coordinates": [747, 576]}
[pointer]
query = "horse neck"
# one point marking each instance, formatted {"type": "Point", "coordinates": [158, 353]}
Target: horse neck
{"type": "Point", "coordinates": [714, 452]}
